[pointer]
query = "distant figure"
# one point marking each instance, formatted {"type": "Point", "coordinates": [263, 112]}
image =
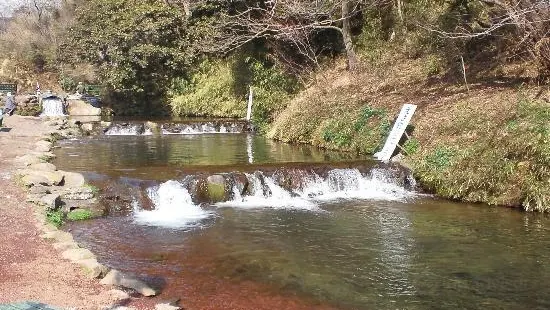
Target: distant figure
{"type": "Point", "coordinates": [80, 88]}
{"type": "Point", "coordinates": [10, 105]}
{"type": "Point", "coordinates": [38, 90]}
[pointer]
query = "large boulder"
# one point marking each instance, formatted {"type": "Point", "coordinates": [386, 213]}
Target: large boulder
{"type": "Point", "coordinates": [117, 278]}
{"type": "Point", "coordinates": [43, 167]}
{"type": "Point", "coordinates": [73, 179]}
{"type": "Point", "coordinates": [81, 108]}
{"type": "Point", "coordinates": [43, 146]}
{"type": "Point", "coordinates": [51, 201]}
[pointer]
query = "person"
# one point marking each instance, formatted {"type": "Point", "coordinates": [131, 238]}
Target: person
{"type": "Point", "coordinates": [80, 88]}
{"type": "Point", "coordinates": [10, 105]}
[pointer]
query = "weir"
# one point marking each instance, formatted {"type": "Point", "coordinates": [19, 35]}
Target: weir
{"type": "Point", "coordinates": [177, 202]}
{"type": "Point", "coordinates": [188, 127]}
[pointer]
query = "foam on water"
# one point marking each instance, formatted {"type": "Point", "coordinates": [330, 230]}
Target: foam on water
{"type": "Point", "coordinates": [52, 106]}
{"type": "Point", "coordinates": [268, 194]}
{"type": "Point", "coordinates": [340, 184]}
{"type": "Point", "coordinates": [174, 207]}
{"type": "Point", "coordinates": [132, 130]}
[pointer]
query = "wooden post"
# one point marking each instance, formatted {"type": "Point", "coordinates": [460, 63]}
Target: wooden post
{"type": "Point", "coordinates": [464, 73]}
{"type": "Point", "coordinates": [249, 109]}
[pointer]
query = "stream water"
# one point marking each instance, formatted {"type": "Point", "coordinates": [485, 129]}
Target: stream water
{"type": "Point", "coordinates": [347, 237]}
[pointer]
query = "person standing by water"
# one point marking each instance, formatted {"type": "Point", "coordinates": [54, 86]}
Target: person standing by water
{"type": "Point", "coordinates": [9, 106]}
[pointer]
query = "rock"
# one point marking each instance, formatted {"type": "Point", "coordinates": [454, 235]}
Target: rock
{"type": "Point", "coordinates": [43, 146]}
{"type": "Point", "coordinates": [88, 127]}
{"type": "Point", "coordinates": [28, 159]}
{"type": "Point", "coordinates": [54, 177]}
{"type": "Point", "coordinates": [215, 187]}
{"type": "Point", "coordinates": [73, 179]}
{"type": "Point", "coordinates": [118, 294]}
{"type": "Point", "coordinates": [81, 108]}
{"type": "Point", "coordinates": [78, 193]}
{"type": "Point", "coordinates": [166, 306]}
{"type": "Point", "coordinates": [51, 201]}
{"type": "Point", "coordinates": [116, 278]}
{"type": "Point", "coordinates": [64, 246]}
{"type": "Point", "coordinates": [35, 179]}
{"type": "Point", "coordinates": [92, 268]}
{"type": "Point", "coordinates": [39, 190]}
{"type": "Point", "coordinates": [59, 236]}
{"type": "Point", "coordinates": [43, 167]}
{"type": "Point", "coordinates": [76, 255]}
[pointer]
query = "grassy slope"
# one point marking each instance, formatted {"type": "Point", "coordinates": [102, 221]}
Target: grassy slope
{"type": "Point", "coordinates": [489, 144]}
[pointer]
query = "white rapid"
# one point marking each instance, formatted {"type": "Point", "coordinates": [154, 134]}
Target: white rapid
{"type": "Point", "coordinates": [128, 130]}
{"type": "Point", "coordinates": [174, 207]}
{"type": "Point", "coordinates": [52, 106]}
{"type": "Point", "coordinates": [201, 128]}
{"type": "Point", "coordinates": [340, 184]}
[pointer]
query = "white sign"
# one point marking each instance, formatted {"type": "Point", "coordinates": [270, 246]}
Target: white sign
{"type": "Point", "coordinates": [396, 132]}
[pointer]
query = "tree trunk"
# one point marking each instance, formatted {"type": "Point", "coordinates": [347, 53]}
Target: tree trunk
{"type": "Point", "coordinates": [353, 62]}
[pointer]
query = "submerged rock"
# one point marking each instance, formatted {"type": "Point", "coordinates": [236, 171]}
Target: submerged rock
{"type": "Point", "coordinates": [117, 278]}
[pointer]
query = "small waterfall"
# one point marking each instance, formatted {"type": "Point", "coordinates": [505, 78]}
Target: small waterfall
{"type": "Point", "coordinates": [338, 184]}
{"type": "Point", "coordinates": [174, 207]}
{"type": "Point", "coordinates": [177, 202]}
{"type": "Point", "coordinates": [128, 129]}
{"type": "Point", "coordinates": [52, 106]}
{"type": "Point", "coordinates": [195, 128]}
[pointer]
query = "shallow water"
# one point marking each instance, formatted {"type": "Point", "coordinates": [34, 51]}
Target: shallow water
{"type": "Point", "coordinates": [164, 157]}
{"type": "Point", "coordinates": [403, 251]}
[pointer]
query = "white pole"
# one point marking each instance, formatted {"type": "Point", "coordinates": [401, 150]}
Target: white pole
{"type": "Point", "coordinates": [249, 110]}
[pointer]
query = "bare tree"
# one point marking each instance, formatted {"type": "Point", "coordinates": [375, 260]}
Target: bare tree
{"type": "Point", "coordinates": [291, 21]}
{"type": "Point", "coordinates": [528, 19]}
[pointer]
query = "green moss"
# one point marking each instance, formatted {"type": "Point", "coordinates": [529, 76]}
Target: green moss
{"type": "Point", "coordinates": [216, 192]}
{"type": "Point", "coordinates": [94, 189]}
{"type": "Point", "coordinates": [79, 215]}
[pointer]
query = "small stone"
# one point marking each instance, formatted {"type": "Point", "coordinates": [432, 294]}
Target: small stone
{"type": "Point", "coordinates": [43, 146]}
{"type": "Point", "coordinates": [166, 306]}
{"type": "Point", "coordinates": [76, 255]}
{"type": "Point", "coordinates": [51, 201]}
{"type": "Point", "coordinates": [59, 236]}
{"type": "Point", "coordinates": [118, 294]}
{"type": "Point", "coordinates": [64, 246]}
{"type": "Point", "coordinates": [93, 269]}
{"type": "Point", "coordinates": [117, 278]}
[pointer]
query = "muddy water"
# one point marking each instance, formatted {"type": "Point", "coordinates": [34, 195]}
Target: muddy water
{"type": "Point", "coordinates": [414, 252]}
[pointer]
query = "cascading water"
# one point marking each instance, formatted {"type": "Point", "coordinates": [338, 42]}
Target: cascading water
{"type": "Point", "coordinates": [194, 128]}
{"type": "Point", "coordinates": [128, 129]}
{"type": "Point", "coordinates": [174, 207]}
{"type": "Point", "coordinates": [52, 106]}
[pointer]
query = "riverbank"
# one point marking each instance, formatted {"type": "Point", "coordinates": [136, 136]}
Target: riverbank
{"type": "Point", "coordinates": [483, 142]}
{"type": "Point", "coordinates": [30, 267]}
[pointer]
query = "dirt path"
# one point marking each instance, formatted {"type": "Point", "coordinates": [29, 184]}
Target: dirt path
{"type": "Point", "coordinates": [30, 268]}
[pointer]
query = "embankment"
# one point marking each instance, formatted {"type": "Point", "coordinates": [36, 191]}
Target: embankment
{"type": "Point", "coordinates": [486, 144]}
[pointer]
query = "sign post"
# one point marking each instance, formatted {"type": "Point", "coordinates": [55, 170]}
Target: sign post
{"type": "Point", "coordinates": [396, 132]}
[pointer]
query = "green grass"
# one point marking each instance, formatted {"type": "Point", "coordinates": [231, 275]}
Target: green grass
{"type": "Point", "coordinates": [79, 215]}
{"type": "Point", "coordinates": [55, 218]}
{"type": "Point", "coordinates": [508, 162]}
{"type": "Point", "coordinates": [93, 188]}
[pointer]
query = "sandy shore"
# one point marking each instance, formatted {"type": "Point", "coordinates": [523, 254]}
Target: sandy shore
{"type": "Point", "coordinates": [30, 268]}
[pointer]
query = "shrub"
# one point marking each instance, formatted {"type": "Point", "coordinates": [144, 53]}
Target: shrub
{"type": "Point", "coordinates": [55, 218]}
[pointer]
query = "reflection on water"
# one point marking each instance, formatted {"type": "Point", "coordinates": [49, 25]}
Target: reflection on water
{"type": "Point", "coordinates": [108, 154]}
{"type": "Point", "coordinates": [370, 255]}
